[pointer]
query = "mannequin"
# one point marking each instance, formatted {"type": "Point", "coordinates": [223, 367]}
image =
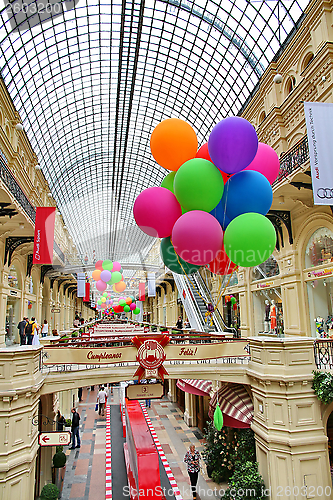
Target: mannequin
{"type": "Point", "coordinates": [273, 317]}
{"type": "Point", "coordinates": [267, 315]}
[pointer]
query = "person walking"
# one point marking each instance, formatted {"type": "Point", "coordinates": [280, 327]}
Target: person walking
{"type": "Point", "coordinates": [79, 394]}
{"type": "Point", "coordinates": [179, 323]}
{"type": "Point", "coordinates": [192, 460]}
{"type": "Point", "coordinates": [21, 327]}
{"type": "Point", "coordinates": [30, 330]}
{"type": "Point", "coordinates": [75, 430]}
{"type": "Point", "coordinates": [60, 419]}
{"type": "Point", "coordinates": [45, 328]}
{"type": "Point", "coordinates": [76, 322]}
{"type": "Point", "coordinates": [101, 400]}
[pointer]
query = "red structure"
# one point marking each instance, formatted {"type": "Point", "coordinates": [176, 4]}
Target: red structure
{"type": "Point", "coordinates": [141, 456]}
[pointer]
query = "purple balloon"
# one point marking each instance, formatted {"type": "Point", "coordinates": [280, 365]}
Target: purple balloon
{"type": "Point", "coordinates": [105, 276]}
{"type": "Point", "coordinates": [232, 144]}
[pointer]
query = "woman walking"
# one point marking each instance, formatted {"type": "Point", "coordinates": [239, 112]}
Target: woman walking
{"type": "Point", "coordinates": [45, 329]}
{"type": "Point", "coordinates": [192, 459]}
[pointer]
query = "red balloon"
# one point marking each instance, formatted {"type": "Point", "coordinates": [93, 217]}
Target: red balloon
{"type": "Point", "coordinates": [221, 264]}
{"type": "Point", "coordinates": [204, 153]}
{"type": "Point", "coordinates": [98, 265]}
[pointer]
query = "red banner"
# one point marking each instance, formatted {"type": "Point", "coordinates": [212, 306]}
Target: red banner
{"type": "Point", "coordinates": [142, 291]}
{"type": "Point", "coordinates": [44, 235]}
{"type": "Point", "coordinates": [86, 298]}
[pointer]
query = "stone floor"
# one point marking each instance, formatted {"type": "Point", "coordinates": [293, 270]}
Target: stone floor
{"type": "Point", "coordinates": [85, 469]}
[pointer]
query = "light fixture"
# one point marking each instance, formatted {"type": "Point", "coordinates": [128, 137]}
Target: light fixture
{"type": "Point", "coordinates": [49, 195]}
{"type": "Point", "coordinates": [38, 167]}
{"type": "Point", "coordinates": [325, 283]}
{"type": "Point", "coordinates": [277, 79]}
{"type": "Point", "coordinates": [21, 225]}
{"type": "Point", "coordinates": [289, 262]}
{"type": "Point", "coordinates": [19, 127]}
{"type": "Point", "coordinates": [281, 200]}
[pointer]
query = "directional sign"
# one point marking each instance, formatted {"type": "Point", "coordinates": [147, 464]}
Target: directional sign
{"type": "Point", "coordinates": [54, 438]}
{"type": "Point", "coordinates": [55, 310]}
{"type": "Point", "coordinates": [145, 391]}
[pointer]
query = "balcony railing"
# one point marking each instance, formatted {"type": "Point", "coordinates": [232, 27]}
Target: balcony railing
{"type": "Point", "coordinates": [323, 352]}
{"type": "Point", "coordinates": [293, 159]}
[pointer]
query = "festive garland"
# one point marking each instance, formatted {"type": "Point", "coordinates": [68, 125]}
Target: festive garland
{"type": "Point", "coordinates": [323, 386]}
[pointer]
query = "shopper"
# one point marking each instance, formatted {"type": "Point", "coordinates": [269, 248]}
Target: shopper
{"type": "Point", "coordinates": [30, 330]}
{"type": "Point", "coordinates": [76, 322]}
{"type": "Point", "coordinates": [21, 327]}
{"type": "Point", "coordinates": [101, 400]}
{"type": "Point", "coordinates": [60, 419]}
{"type": "Point", "coordinates": [79, 393]}
{"type": "Point", "coordinates": [45, 328]}
{"type": "Point", "coordinates": [75, 429]}
{"type": "Point", "coordinates": [179, 323]}
{"type": "Point", "coordinates": [192, 459]}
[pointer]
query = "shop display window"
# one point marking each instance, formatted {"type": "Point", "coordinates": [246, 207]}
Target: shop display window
{"type": "Point", "coordinates": [320, 296]}
{"type": "Point", "coordinates": [267, 269]}
{"type": "Point", "coordinates": [13, 281]}
{"type": "Point", "coordinates": [230, 281]}
{"type": "Point", "coordinates": [264, 302]}
{"type": "Point", "coordinates": [319, 249]}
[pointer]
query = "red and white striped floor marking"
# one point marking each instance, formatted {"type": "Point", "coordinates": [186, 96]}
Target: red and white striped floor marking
{"type": "Point", "coordinates": [108, 477]}
{"type": "Point", "coordinates": [162, 455]}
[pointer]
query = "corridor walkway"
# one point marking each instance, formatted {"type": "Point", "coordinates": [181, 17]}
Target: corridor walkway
{"type": "Point", "coordinates": [85, 476]}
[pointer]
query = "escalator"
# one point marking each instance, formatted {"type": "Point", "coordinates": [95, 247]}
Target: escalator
{"type": "Point", "coordinates": [195, 296]}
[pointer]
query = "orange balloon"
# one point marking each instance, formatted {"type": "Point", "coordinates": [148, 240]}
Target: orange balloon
{"type": "Point", "coordinates": [96, 274]}
{"type": "Point", "coordinates": [128, 301]}
{"type": "Point", "coordinates": [120, 287]}
{"type": "Point", "coordinates": [173, 142]}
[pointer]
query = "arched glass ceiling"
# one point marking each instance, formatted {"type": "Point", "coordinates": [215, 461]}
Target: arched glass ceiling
{"type": "Point", "coordinates": [91, 84]}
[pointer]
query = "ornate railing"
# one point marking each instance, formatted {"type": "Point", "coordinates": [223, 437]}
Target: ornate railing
{"type": "Point", "coordinates": [293, 159]}
{"type": "Point", "coordinates": [16, 190]}
{"type": "Point", "coordinates": [323, 352]}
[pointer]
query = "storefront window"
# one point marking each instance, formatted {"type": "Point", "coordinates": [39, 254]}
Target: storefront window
{"type": "Point", "coordinates": [320, 295]}
{"type": "Point", "coordinates": [319, 249]}
{"type": "Point", "coordinates": [230, 280]}
{"type": "Point", "coordinates": [268, 311]}
{"type": "Point", "coordinates": [13, 278]}
{"type": "Point", "coordinates": [267, 269]}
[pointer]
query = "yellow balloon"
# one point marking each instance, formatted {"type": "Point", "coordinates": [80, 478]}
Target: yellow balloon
{"type": "Point", "coordinates": [103, 299]}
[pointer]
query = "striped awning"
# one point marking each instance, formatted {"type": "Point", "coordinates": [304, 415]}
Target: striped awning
{"type": "Point", "coordinates": [197, 387]}
{"type": "Point", "coordinates": [235, 404]}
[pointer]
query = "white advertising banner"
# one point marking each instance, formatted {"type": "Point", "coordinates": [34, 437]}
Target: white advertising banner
{"type": "Point", "coordinates": [319, 124]}
{"type": "Point", "coordinates": [151, 285]}
{"type": "Point", "coordinates": [81, 284]}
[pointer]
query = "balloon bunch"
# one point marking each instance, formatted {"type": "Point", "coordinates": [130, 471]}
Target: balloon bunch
{"type": "Point", "coordinates": [111, 304]}
{"type": "Point", "coordinates": [108, 273]}
{"type": "Point", "coordinates": [210, 209]}
{"type": "Point", "coordinates": [232, 299]}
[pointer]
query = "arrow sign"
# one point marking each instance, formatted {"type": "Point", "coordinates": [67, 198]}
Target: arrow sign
{"type": "Point", "coordinates": [54, 438]}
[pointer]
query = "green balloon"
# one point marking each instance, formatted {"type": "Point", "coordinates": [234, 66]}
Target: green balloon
{"type": "Point", "coordinates": [249, 239]}
{"type": "Point", "coordinates": [122, 302]}
{"type": "Point", "coordinates": [218, 418]}
{"type": "Point", "coordinates": [136, 310]}
{"type": "Point", "coordinates": [167, 182]}
{"type": "Point", "coordinates": [116, 277]}
{"type": "Point", "coordinates": [105, 294]}
{"type": "Point", "coordinates": [169, 258]}
{"type": "Point", "coordinates": [107, 264]}
{"type": "Point", "coordinates": [198, 185]}
{"type": "Point", "coordinates": [127, 308]}
{"type": "Point", "coordinates": [233, 300]}
{"type": "Point", "coordinates": [99, 302]}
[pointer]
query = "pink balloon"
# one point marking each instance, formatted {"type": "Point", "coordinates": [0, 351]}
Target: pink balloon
{"type": "Point", "coordinates": [104, 305]}
{"type": "Point", "coordinates": [98, 265]}
{"type": "Point", "coordinates": [197, 237]}
{"type": "Point", "coordinates": [266, 161]}
{"type": "Point", "coordinates": [101, 286]}
{"type": "Point", "coordinates": [116, 266]}
{"type": "Point", "coordinates": [156, 210]}
{"type": "Point", "coordinates": [132, 306]}
{"type": "Point", "coordinates": [105, 276]}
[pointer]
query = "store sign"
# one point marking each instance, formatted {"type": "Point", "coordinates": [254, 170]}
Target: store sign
{"type": "Point", "coordinates": [44, 235]}
{"type": "Point", "coordinates": [151, 355]}
{"type": "Point", "coordinates": [321, 273]}
{"type": "Point", "coordinates": [13, 292]}
{"type": "Point", "coordinates": [54, 438]}
{"type": "Point", "coordinates": [268, 284]}
{"type": "Point", "coordinates": [55, 310]}
{"type": "Point", "coordinates": [145, 391]}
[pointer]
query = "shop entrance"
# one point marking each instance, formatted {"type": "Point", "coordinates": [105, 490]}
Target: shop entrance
{"type": "Point", "coordinates": [12, 318]}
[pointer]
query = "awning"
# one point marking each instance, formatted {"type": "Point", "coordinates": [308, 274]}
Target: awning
{"type": "Point", "coordinates": [197, 387]}
{"type": "Point", "coordinates": [235, 404]}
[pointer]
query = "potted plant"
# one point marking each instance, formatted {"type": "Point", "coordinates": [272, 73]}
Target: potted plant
{"type": "Point", "coordinates": [49, 492]}
{"type": "Point", "coordinates": [59, 464]}
{"type": "Point", "coordinates": [59, 459]}
{"type": "Point", "coordinates": [245, 479]}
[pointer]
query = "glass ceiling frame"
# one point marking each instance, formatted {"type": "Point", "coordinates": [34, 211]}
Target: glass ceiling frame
{"type": "Point", "coordinates": [92, 83]}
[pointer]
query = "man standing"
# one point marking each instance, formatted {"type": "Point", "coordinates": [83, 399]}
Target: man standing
{"type": "Point", "coordinates": [30, 330]}
{"type": "Point", "coordinates": [21, 327]}
{"type": "Point", "coordinates": [101, 400]}
{"type": "Point", "coordinates": [75, 429]}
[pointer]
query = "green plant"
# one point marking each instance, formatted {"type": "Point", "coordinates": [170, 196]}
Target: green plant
{"type": "Point", "coordinates": [49, 492]}
{"type": "Point", "coordinates": [219, 451]}
{"type": "Point", "coordinates": [246, 482]}
{"type": "Point", "coordinates": [59, 459]}
{"type": "Point", "coordinates": [323, 386]}
{"type": "Point", "coordinates": [59, 448]}
{"type": "Point", "coordinates": [75, 334]}
{"type": "Point", "coordinates": [68, 422]}
{"type": "Point", "coordinates": [246, 446]}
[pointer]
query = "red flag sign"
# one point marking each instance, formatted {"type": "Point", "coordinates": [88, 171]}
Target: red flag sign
{"type": "Point", "coordinates": [142, 291]}
{"type": "Point", "coordinates": [44, 235]}
{"type": "Point", "coordinates": [86, 298]}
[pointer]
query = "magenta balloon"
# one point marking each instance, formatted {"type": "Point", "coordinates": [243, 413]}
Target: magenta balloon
{"type": "Point", "coordinates": [232, 144]}
{"type": "Point", "coordinates": [266, 161]}
{"type": "Point", "coordinates": [132, 306]}
{"type": "Point", "coordinates": [156, 210]}
{"type": "Point", "coordinates": [116, 266]}
{"type": "Point", "coordinates": [197, 237]}
{"type": "Point", "coordinates": [101, 286]}
{"type": "Point", "coordinates": [105, 276]}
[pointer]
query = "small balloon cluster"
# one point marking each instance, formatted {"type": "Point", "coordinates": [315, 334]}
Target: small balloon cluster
{"type": "Point", "coordinates": [232, 299]}
{"type": "Point", "coordinates": [210, 209]}
{"type": "Point", "coordinates": [108, 273]}
{"type": "Point", "coordinates": [111, 304]}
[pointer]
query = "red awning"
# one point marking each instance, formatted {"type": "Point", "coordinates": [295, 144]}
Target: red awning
{"type": "Point", "coordinates": [235, 404]}
{"type": "Point", "coordinates": [197, 387]}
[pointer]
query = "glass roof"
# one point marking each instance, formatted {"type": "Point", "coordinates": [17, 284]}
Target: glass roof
{"type": "Point", "coordinates": [92, 82]}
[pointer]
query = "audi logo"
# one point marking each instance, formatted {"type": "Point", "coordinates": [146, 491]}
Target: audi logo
{"type": "Point", "coordinates": [325, 193]}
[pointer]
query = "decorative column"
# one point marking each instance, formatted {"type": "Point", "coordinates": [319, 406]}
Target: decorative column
{"type": "Point", "coordinates": [189, 414]}
{"type": "Point", "coordinates": [172, 395]}
{"type": "Point", "coordinates": [3, 305]}
{"type": "Point", "coordinates": [290, 437]}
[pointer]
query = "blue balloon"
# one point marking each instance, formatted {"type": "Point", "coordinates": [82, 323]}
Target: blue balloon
{"type": "Point", "coordinates": [247, 191]}
{"type": "Point", "coordinates": [219, 212]}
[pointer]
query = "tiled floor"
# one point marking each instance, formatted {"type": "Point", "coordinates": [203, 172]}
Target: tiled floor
{"type": "Point", "coordinates": [85, 470]}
